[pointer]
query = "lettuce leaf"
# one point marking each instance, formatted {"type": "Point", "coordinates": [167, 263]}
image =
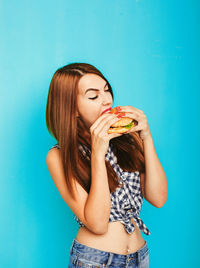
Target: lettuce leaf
{"type": "Point", "coordinates": [129, 125]}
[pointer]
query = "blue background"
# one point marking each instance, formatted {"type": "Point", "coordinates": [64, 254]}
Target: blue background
{"type": "Point", "coordinates": [149, 52]}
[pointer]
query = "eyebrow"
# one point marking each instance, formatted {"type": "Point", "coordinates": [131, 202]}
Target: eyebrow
{"type": "Point", "coordinates": [94, 89]}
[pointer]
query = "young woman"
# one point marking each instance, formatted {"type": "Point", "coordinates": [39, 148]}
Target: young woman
{"type": "Point", "coordinates": [102, 177]}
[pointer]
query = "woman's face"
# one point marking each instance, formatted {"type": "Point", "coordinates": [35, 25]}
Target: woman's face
{"type": "Point", "coordinates": [93, 86]}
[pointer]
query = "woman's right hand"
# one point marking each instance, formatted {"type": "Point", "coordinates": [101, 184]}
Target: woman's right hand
{"type": "Point", "coordinates": [99, 135]}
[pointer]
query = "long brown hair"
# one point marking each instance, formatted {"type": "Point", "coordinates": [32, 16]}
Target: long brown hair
{"type": "Point", "coordinates": [70, 131]}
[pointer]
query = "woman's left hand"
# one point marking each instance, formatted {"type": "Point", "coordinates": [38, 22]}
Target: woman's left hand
{"type": "Point", "coordinates": [142, 127]}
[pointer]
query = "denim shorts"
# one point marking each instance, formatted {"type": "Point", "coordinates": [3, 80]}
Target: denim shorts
{"type": "Point", "coordinates": [88, 257]}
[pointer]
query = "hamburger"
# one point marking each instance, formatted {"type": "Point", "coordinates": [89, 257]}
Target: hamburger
{"type": "Point", "coordinates": [122, 125]}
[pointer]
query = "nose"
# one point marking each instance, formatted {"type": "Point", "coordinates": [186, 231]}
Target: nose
{"type": "Point", "coordinates": [106, 99]}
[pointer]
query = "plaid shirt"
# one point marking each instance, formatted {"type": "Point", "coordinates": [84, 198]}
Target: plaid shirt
{"type": "Point", "coordinates": [127, 200]}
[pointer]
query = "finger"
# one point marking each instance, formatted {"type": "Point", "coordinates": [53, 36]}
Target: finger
{"type": "Point", "coordinates": [131, 110]}
{"type": "Point", "coordinates": [114, 135]}
{"type": "Point", "coordinates": [106, 125]}
{"type": "Point", "coordinates": [101, 119]}
{"type": "Point", "coordinates": [130, 115]}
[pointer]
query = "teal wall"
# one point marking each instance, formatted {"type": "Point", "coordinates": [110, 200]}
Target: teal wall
{"type": "Point", "coordinates": [149, 51]}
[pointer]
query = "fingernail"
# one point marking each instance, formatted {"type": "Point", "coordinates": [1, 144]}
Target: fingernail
{"type": "Point", "coordinates": [119, 116]}
{"type": "Point", "coordinates": [115, 112]}
{"type": "Point", "coordinates": [118, 108]}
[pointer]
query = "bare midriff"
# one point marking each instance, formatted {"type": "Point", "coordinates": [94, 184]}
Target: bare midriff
{"type": "Point", "coordinates": [115, 240]}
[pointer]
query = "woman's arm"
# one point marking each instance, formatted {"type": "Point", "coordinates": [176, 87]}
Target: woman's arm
{"type": "Point", "coordinates": [155, 181]}
{"type": "Point", "coordinates": [97, 207]}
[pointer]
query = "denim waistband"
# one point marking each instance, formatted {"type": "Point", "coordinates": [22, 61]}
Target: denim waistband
{"type": "Point", "coordinates": [105, 257]}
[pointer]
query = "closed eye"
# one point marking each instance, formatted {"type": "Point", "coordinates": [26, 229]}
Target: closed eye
{"type": "Point", "coordinates": [97, 96]}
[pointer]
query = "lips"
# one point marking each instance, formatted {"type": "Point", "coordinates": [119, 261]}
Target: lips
{"type": "Point", "coordinates": [106, 110]}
